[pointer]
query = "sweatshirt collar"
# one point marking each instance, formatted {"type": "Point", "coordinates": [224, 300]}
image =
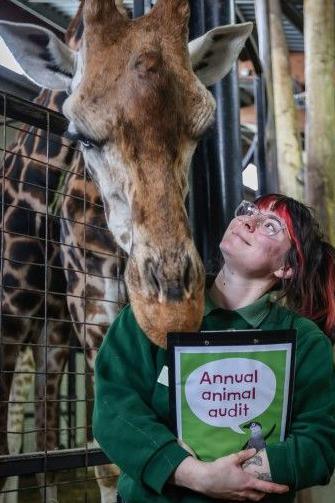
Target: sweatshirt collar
{"type": "Point", "coordinates": [253, 314]}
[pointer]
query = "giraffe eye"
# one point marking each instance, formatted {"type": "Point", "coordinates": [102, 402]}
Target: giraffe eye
{"type": "Point", "coordinates": [86, 143]}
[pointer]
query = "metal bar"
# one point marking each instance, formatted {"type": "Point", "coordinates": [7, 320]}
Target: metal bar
{"type": "Point", "coordinates": [56, 218]}
{"type": "Point", "coordinates": [33, 114]}
{"type": "Point", "coordinates": [55, 294]}
{"type": "Point", "coordinates": [40, 318]}
{"type": "Point", "coordinates": [56, 400]}
{"type": "Point", "coordinates": [32, 463]}
{"type": "Point", "coordinates": [3, 383]}
{"type": "Point", "coordinates": [56, 268]}
{"type": "Point", "coordinates": [71, 246]}
{"type": "Point", "coordinates": [250, 45]}
{"type": "Point", "coordinates": [14, 10]}
{"type": "Point", "coordinates": [71, 404]}
{"type": "Point", "coordinates": [45, 13]}
{"type": "Point", "coordinates": [249, 156]}
{"type": "Point", "coordinates": [138, 9]}
{"type": "Point", "coordinates": [64, 170]}
{"type": "Point", "coordinates": [264, 42]}
{"type": "Point", "coordinates": [197, 201]}
{"type": "Point", "coordinates": [53, 191]}
{"type": "Point", "coordinates": [226, 185]}
{"type": "Point", "coordinates": [259, 93]}
{"type": "Point", "coordinates": [12, 82]}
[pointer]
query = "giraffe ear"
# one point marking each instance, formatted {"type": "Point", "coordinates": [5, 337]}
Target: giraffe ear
{"type": "Point", "coordinates": [214, 54]}
{"type": "Point", "coordinates": [42, 56]}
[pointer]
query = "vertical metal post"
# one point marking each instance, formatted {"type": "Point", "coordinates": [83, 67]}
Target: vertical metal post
{"type": "Point", "coordinates": [72, 396]}
{"type": "Point", "coordinates": [226, 187]}
{"type": "Point", "coordinates": [264, 43]}
{"type": "Point", "coordinates": [197, 21]}
{"type": "Point", "coordinates": [138, 9]}
{"type": "Point", "coordinates": [260, 99]}
{"type": "Point", "coordinates": [198, 198]}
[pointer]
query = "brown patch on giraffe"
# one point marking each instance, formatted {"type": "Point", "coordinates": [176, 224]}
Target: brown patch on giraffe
{"type": "Point", "coordinates": [95, 309]}
{"type": "Point", "coordinates": [92, 292]}
{"type": "Point", "coordinates": [60, 356]}
{"type": "Point", "coordinates": [138, 213]}
{"type": "Point", "coordinates": [74, 206]}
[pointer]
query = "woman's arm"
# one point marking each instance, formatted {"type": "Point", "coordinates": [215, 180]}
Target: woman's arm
{"type": "Point", "coordinates": [258, 466]}
{"type": "Point", "coordinates": [307, 456]}
{"type": "Point", "coordinates": [224, 478]}
{"type": "Point", "coordinates": [124, 422]}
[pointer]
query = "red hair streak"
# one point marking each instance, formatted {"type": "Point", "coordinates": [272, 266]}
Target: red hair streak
{"type": "Point", "coordinates": [271, 203]}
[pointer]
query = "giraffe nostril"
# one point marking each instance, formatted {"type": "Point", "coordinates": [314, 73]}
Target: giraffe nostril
{"type": "Point", "coordinates": [153, 278]}
{"type": "Point", "coordinates": [171, 283]}
{"type": "Point", "coordinates": [175, 293]}
{"type": "Point", "coordinates": [188, 274]}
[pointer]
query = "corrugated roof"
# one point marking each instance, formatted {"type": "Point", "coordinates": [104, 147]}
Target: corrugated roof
{"type": "Point", "coordinates": [64, 10]}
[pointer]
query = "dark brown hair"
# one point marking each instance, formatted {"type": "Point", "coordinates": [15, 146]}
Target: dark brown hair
{"type": "Point", "coordinates": [310, 290]}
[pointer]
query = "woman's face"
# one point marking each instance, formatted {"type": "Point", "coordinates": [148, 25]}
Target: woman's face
{"type": "Point", "coordinates": [250, 252]}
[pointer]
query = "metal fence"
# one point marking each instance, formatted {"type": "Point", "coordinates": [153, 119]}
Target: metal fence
{"type": "Point", "coordinates": [54, 234]}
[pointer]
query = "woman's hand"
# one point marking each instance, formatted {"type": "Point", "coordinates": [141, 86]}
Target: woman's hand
{"type": "Point", "coordinates": [258, 466]}
{"type": "Point", "coordinates": [224, 478]}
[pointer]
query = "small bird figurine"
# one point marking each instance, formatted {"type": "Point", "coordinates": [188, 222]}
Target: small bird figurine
{"type": "Point", "coordinates": [256, 440]}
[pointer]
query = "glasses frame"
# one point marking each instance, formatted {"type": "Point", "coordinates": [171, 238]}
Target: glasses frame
{"type": "Point", "coordinates": [256, 212]}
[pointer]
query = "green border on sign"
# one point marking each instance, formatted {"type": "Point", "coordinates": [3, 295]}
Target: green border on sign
{"type": "Point", "coordinates": [210, 442]}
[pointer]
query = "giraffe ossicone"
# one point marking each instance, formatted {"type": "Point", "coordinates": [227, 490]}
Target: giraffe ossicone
{"type": "Point", "coordinates": [139, 104]}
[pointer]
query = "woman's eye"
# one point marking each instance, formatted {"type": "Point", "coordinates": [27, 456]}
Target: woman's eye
{"type": "Point", "coordinates": [269, 226]}
{"type": "Point", "coordinates": [272, 226]}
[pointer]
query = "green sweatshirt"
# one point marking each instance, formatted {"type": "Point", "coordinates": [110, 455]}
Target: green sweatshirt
{"type": "Point", "coordinates": [131, 411]}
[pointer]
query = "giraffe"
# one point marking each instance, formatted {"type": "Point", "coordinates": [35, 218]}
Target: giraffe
{"type": "Point", "coordinates": [139, 109]}
{"type": "Point", "coordinates": [140, 168]}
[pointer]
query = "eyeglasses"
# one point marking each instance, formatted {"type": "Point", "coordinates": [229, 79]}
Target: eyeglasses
{"type": "Point", "coordinates": [268, 224]}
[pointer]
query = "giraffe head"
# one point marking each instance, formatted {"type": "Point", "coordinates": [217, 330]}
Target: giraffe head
{"type": "Point", "coordinates": [139, 104]}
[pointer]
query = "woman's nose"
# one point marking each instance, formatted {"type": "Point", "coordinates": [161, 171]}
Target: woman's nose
{"type": "Point", "coordinates": [250, 223]}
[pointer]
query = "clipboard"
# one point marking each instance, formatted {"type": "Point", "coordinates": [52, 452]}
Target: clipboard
{"type": "Point", "coordinates": [232, 389]}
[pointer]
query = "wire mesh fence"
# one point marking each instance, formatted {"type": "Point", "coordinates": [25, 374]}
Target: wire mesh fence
{"type": "Point", "coordinates": [61, 286]}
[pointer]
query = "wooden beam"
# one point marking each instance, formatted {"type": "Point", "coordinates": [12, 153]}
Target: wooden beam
{"type": "Point", "coordinates": [320, 110]}
{"type": "Point", "coordinates": [289, 153]}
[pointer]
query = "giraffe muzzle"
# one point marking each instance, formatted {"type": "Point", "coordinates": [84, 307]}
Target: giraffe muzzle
{"type": "Point", "coordinates": [170, 282]}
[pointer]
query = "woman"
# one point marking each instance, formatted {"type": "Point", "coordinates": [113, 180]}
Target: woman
{"type": "Point", "coordinates": [272, 248]}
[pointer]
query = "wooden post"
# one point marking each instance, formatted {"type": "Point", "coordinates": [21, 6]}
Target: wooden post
{"type": "Point", "coordinates": [289, 156]}
{"type": "Point", "coordinates": [320, 105]}
{"type": "Point", "coordinates": [264, 46]}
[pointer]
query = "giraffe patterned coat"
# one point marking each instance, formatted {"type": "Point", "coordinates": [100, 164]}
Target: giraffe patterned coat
{"type": "Point", "coordinates": [131, 414]}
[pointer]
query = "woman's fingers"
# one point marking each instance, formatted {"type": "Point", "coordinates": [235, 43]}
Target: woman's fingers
{"type": "Point", "coordinates": [243, 456]}
{"type": "Point", "coordinates": [253, 495]}
{"type": "Point", "coordinates": [268, 487]}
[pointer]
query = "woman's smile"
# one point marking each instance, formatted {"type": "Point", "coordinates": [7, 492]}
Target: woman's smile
{"type": "Point", "coordinates": [240, 237]}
